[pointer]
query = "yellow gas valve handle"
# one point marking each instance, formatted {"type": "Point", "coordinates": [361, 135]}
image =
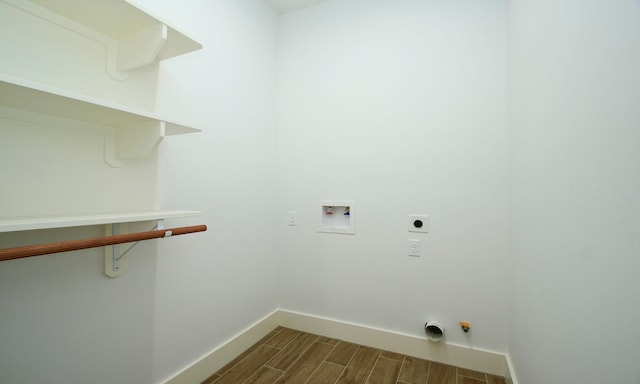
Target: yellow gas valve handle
{"type": "Point", "coordinates": [465, 326]}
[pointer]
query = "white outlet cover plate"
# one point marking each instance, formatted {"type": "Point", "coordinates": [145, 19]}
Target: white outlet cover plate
{"type": "Point", "coordinates": [414, 248]}
{"type": "Point", "coordinates": [293, 218]}
{"type": "Point", "coordinates": [425, 223]}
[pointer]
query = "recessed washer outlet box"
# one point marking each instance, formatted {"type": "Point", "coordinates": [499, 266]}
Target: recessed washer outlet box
{"type": "Point", "coordinates": [337, 216]}
{"type": "Point", "coordinates": [419, 223]}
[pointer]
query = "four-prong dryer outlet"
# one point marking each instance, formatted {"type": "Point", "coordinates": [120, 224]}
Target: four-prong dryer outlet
{"type": "Point", "coordinates": [419, 223]}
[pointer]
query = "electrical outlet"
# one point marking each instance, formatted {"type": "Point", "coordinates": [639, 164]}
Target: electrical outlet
{"type": "Point", "coordinates": [414, 247]}
{"type": "Point", "coordinates": [293, 218]}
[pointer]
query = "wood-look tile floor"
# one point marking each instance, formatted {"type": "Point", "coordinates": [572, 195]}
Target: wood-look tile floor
{"type": "Point", "coordinates": [294, 357]}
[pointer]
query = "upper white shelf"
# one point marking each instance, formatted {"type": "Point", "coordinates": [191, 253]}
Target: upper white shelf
{"type": "Point", "coordinates": [44, 99]}
{"type": "Point", "coordinates": [12, 224]}
{"type": "Point", "coordinates": [119, 19]}
{"type": "Point", "coordinates": [136, 37]}
{"type": "Point", "coordinates": [137, 132]}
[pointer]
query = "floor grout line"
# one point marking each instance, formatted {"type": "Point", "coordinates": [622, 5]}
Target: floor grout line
{"type": "Point", "coordinates": [485, 380]}
{"type": "Point", "coordinates": [349, 362]}
{"type": "Point", "coordinates": [373, 367]}
{"type": "Point", "coordinates": [279, 377]}
{"type": "Point", "coordinates": [400, 371]}
{"type": "Point", "coordinates": [255, 347]}
{"type": "Point", "coordinates": [318, 367]}
{"type": "Point", "coordinates": [344, 368]}
{"type": "Point", "coordinates": [426, 379]}
{"type": "Point", "coordinates": [299, 356]}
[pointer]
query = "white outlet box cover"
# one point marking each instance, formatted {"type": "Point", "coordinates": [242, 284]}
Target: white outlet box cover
{"type": "Point", "coordinates": [419, 223]}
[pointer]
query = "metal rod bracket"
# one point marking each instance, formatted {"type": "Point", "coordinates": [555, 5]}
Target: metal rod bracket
{"type": "Point", "coordinates": [117, 260]}
{"type": "Point", "coordinates": [115, 264]}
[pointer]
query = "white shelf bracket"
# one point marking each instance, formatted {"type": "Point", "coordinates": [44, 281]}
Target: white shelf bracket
{"type": "Point", "coordinates": [123, 53]}
{"type": "Point", "coordinates": [111, 47]}
{"type": "Point", "coordinates": [110, 152]}
{"type": "Point", "coordinates": [115, 262]}
{"type": "Point", "coordinates": [133, 142]}
{"type": "Point", "coordinates": [141, 48]}
{"type": "Point", "coordinates": [138, 141]}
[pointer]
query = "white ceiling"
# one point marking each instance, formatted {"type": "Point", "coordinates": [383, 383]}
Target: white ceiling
{"type": "Point", "coordinates": [284, 6]}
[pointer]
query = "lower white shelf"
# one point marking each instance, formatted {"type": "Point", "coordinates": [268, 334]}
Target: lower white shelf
{"type": "Point", "coordinates": [12, 224]}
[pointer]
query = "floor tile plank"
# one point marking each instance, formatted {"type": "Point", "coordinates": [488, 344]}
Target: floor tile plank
{"type": "Point", "coordinates": [342, 353]}
{"type": "Point", "coordinates": [327, 373]}
{"type": "Point", "coordinates": [360, 366]}
{"type": "Point", "coordinates": [327, 340]}
{"type": "Point", "coordinates": [385, 371]}
{"type": "Point", "coordinates": [283, 338]}
{"type": "Point", "coordinates": [306, 364]}
{"type": "Point", "coordinates": [414, 371]}
{"type": "Point", "coordinates": [246, 353]}
{"type": "Point", "coordinates": [469, 380]}
{"type": "Point", "coordinates": [392, 355]}
{"type": "Point", "coordinates": [472, 374]}
{"type": "Point", "coordinates": [264, 375]}
{"type": "Point", "coordinates": [441, 374]}
{"type": "Point", "coordinates": [247, 367]}
{"type": "Point", "coordinates": [289, 354]}
{"type": "Point", "coordinates": [492, 379]}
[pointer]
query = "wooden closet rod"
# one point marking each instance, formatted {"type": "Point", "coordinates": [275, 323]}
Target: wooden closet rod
{"type": "Point", "coordinates": [74, 245]}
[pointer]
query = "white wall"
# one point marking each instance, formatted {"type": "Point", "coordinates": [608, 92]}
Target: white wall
{"type": "Point", "coordinates": [62, 320]}
{"type": "Point", "coordinates": [211, 286]}
{"type": "Point", "coordinates": [42, 51]}
{"type": "Point", "coordinates": [60, 169]}
{"type": "Point", "coordinates": [574, 118]}
{"type": "Point", "coordinates": [400, 106]}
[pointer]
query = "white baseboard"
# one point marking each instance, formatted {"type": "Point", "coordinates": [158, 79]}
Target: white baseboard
{"type": "Point", "coordinates": [484, 361]}
{"type": "Point", "coordinates": [511, 374]}
{"type": "Point", "coordinates": [479, 360]}
{"type": "Point", "coordinates": [229, 350]}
